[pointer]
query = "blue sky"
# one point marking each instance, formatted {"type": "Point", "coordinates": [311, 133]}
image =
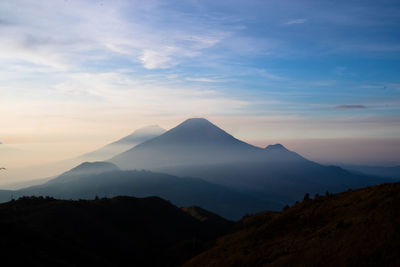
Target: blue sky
{"type": "Point", "coordinates": [91, 71]}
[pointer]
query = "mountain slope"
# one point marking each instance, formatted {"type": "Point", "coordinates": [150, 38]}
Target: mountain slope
{"type": "Point", "coordinates": [354, 228]}
{"type": "Point", "coordinates": [122, 231]}
{"type": "Point", "coordinates": [198, 148]}
{"type": "Point", "coordinates": [85, 169]}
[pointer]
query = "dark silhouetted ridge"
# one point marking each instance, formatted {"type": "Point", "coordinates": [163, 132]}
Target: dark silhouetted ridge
{"type": "Point", "coordinates": [122, 231]}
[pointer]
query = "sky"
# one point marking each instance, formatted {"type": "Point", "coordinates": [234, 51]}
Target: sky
{"type": "Point", "coordinates": [314, 75]}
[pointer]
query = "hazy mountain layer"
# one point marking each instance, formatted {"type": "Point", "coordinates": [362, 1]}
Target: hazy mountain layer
{"type": "Point", "coordinates": [103, 179]}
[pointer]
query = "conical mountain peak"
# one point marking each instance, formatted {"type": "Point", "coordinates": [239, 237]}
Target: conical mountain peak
{"type": "Point", "coordinates": [195, 141]}
{"type": "Point", "coordinates": [197, 122]}
{"type": "Point", "coordinates": [197, 129]}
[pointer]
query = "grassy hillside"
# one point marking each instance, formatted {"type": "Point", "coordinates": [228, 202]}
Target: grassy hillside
{"type": "Point", "coordinates": [354, 228]}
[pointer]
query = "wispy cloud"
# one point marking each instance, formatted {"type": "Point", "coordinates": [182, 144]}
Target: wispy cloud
{"type": "Point", "coordinates": [98, 32]}
{"type": "Point", "coordinates": [199, 79]}
{"type": "Point", "coordinates": [350, 107]}
{"type": "Point", "coordinates": [296, 21]}
{"type": "Point", "coordinates": [157, 60]}
{"type": "Point", "coordinates": [151, 97]}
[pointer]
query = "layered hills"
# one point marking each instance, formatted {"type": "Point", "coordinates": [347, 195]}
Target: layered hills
{"type": "Point", "coordinates": [198, 164]}
{"type": "Point", "coordinates": [103, 179]}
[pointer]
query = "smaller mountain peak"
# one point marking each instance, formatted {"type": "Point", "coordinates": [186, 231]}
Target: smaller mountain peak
{"type": "Point", "coordinates": [276, 147]}
{"type": "Point", "coordinates": [141, 135]}
{"type": "Point", "coordinates": [149, 129]}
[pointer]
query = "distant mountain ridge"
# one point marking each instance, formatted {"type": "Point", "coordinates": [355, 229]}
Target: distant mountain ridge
{"type": "Point", "coordinates": [198, 148]}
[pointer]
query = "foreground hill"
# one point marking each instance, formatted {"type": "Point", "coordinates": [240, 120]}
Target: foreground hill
{"type": "Point", "coordinates": [104, 179]}
{"type": "Point", "coordinates": [122, 231]}
{"type": "Point", "coordinates": [198, 148]}
{"type": "Point", "coordinates": [354, 228]}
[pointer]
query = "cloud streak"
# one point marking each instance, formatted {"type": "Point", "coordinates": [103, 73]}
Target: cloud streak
{"type": "Point", "coordinates": [295, 21]}
{"type": "Point", "coordinates": [350, 107]}
{"type": "Point", "coordinates": [200, 79]}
